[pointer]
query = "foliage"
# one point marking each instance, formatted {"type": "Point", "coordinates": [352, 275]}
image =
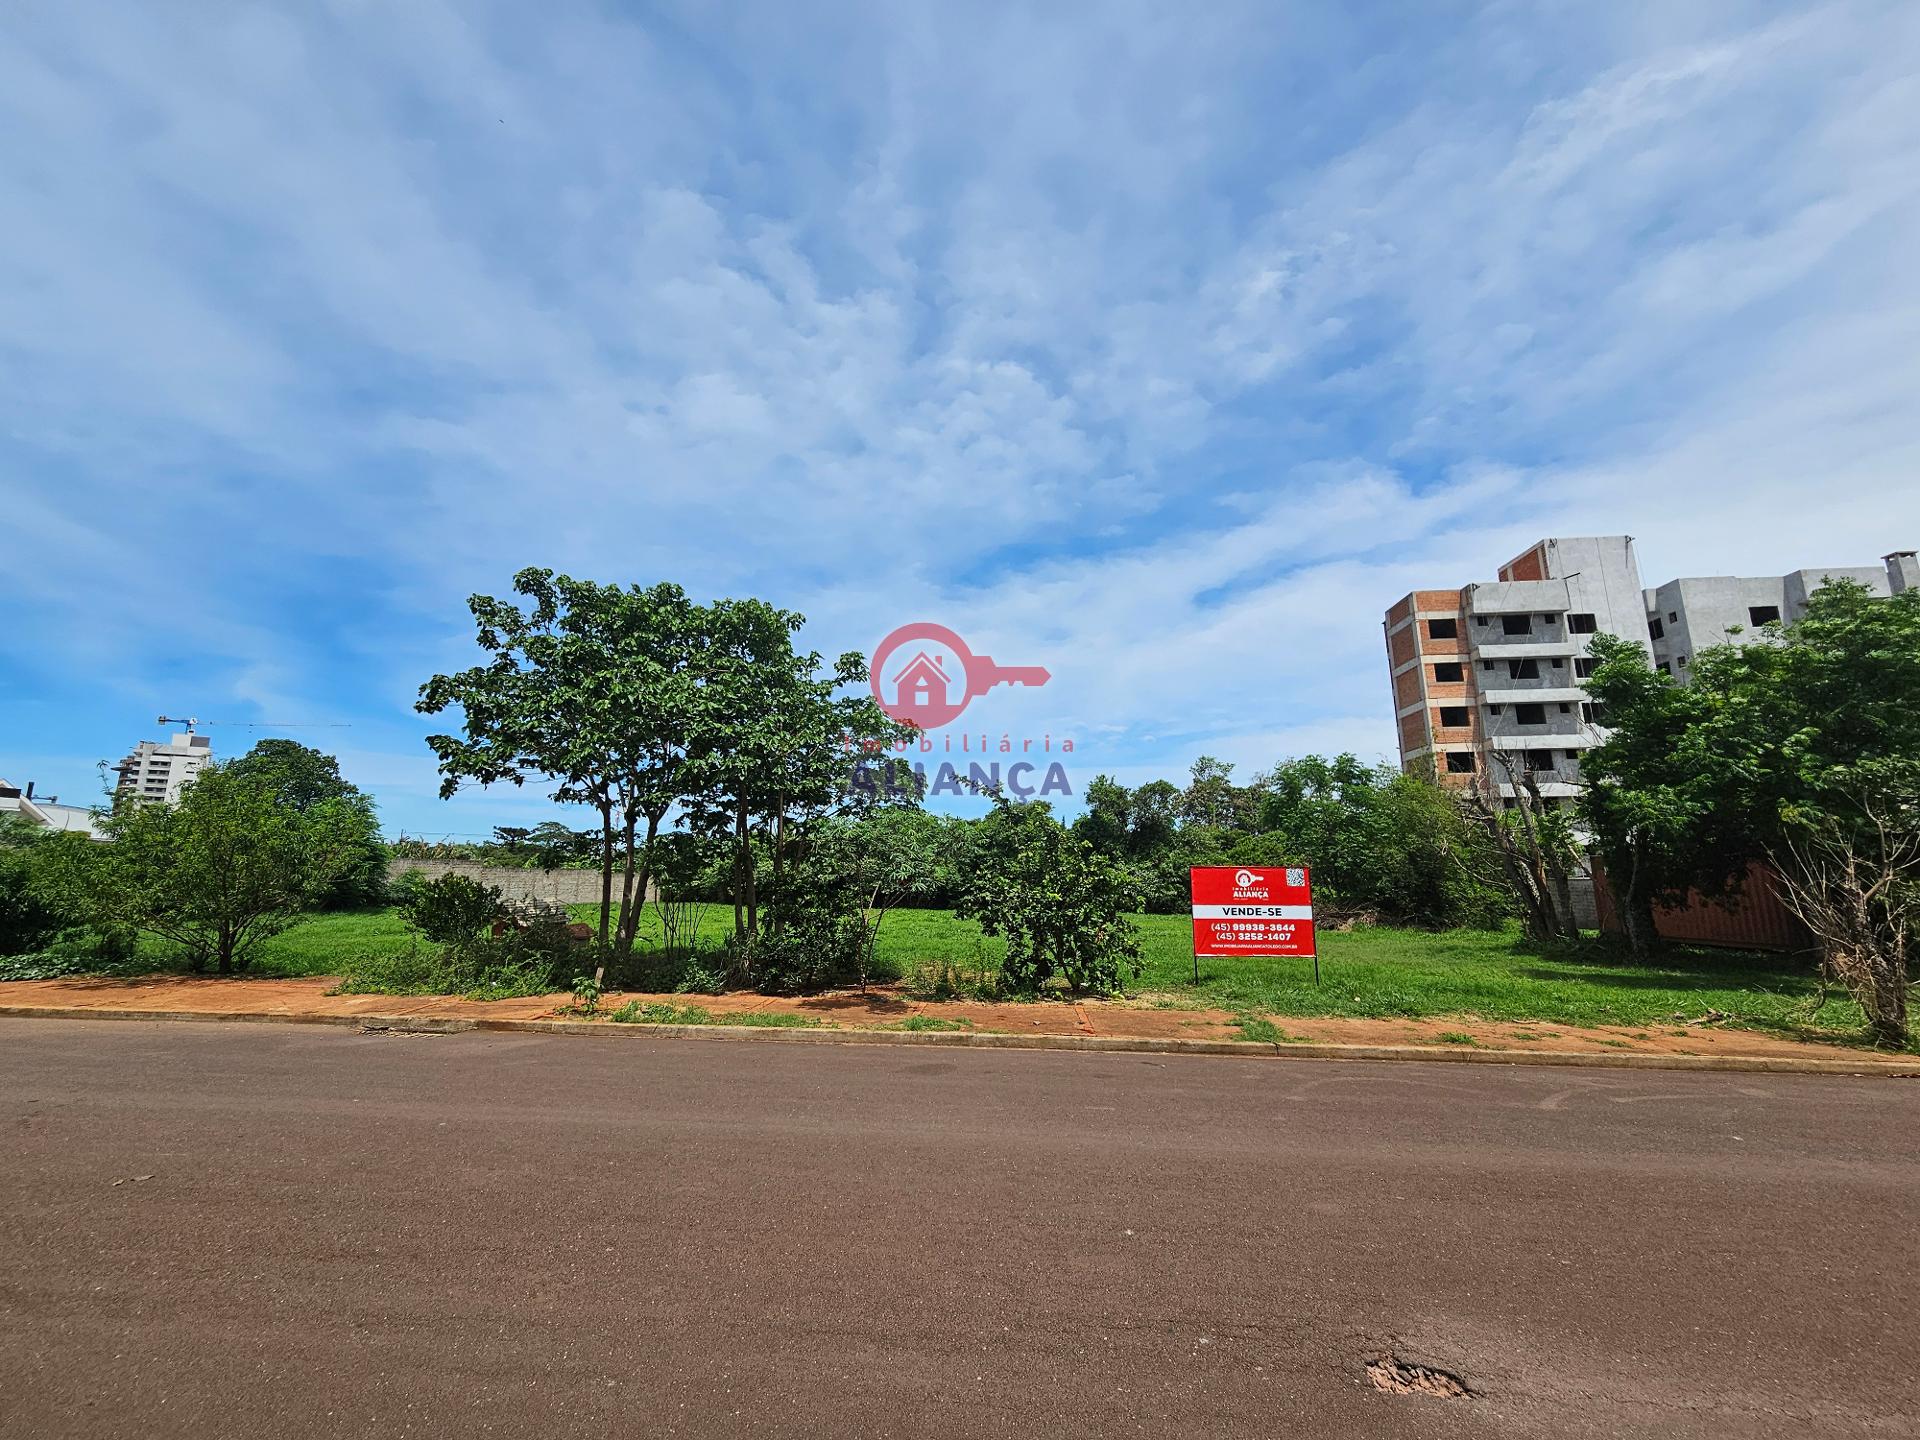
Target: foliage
{"type": "Point", "coordinates": [636, 700]}
{"type": "Point", "coordinates": [30, 915]}
{"type": "Point", "coordinates": [865, 868]}
{"type": "Point", "coordinates": [775, 742]}
{"type": "Point", "coordinates": [454, 910]}
{"type": "Point", "coordinates": [215, 873]}
{"type": "Point", "coordinates": [1536, 845]}
{"type": "Point", "coordinates": [1795, 734]}
{"type": "Point", "coordinates": [303, 778]}
{"type": "Point", "coordinates": [1058, 903]}
{"type": "Point", "coordinates": [1380, 843]}
{"type": "Point", "coordinates": [1857, 887]}
{"type": "Point", "coordinates": [593, 688]}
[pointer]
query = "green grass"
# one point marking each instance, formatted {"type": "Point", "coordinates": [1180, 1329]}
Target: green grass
{"type": "Point", "coordinates": [317, 945]}
{"type": "Point", "coordinates": [634, 1013]}
{"type": "Point", "coordinates": [1378, 972]}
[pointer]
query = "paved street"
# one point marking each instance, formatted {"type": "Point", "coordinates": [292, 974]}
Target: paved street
{"type": "Point", "coordinates": [276, 1230]}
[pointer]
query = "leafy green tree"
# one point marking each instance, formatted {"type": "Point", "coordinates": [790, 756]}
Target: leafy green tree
{"type": "Point", "coordinates": [1060, 904]}
{"type": "Point", "coordinates": [1211, 799]}
{"type": "Point", "coordinates": [880, 861]}
{"type": "Point", "coordinates": [1801, 739]}
{"type": "Point", "coordinates": [1662, 798]}
{"type": "Point", "coordinates": [30, 917]}
{"type": "Point", "coordinates": [772, 747]}
{"type": "Point", "coordinates": [593, 688]}
{"type": "Point", "coordinates": [217, 872]}
{"type": "Point", "coordinates": [302, 777]}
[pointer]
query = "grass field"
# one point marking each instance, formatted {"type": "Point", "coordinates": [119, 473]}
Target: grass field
{"type": "Point", "coordinates": [1494, 975]}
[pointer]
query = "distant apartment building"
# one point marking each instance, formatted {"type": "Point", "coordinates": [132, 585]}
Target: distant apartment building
{"type": "Point", "coordinates": [159, 772]}
{"type": "Point", "coordinates": [1488, 679]}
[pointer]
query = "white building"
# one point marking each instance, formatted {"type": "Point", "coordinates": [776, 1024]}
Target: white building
{"type": "Point", "coordinates": [1685, 616]}
{"type": "Point", "coordinates": [1490, 677]}
{"type": "Point", "coordinates": [159, 772]}
{"type": "Point", "coordinates": [46, 811]}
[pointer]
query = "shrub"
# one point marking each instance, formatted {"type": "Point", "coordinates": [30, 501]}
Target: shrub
{"type": "Point", "coordinates": [1059, 903]}
{"type": "Point", "coordinates": [453, 910]}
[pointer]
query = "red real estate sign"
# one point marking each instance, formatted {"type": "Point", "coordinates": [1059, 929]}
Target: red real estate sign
{"type": "Point", "coordinates": [1247, 910]}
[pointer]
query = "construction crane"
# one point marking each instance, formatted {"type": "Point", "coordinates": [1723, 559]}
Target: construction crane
{"type": "Point", "coordinates": [190, 721]}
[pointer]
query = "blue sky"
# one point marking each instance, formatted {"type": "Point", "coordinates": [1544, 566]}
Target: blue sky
{"type": "Point", "coordinates": [1164, 346]}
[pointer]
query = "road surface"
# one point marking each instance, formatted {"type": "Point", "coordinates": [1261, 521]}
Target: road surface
{"type": "Point", "coordinates": [279, 1230]}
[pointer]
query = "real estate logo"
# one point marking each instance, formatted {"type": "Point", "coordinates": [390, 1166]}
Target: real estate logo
{"type": "Point", "coordinates": [923, 674]}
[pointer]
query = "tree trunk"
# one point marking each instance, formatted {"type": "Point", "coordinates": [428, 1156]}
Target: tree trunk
{"type": "Point", "coordinates": [779, 865]}
{"type": "Point", "coordinates": [1636, 905]}
{"type": "Point", "coordinates": [629, 913]}
{"type": "Point", "coordinates": [606, 869]}
{"type": "Point", "coordinates": [645, 875]}
{"type": "Point", "coordinates": [739, 860]}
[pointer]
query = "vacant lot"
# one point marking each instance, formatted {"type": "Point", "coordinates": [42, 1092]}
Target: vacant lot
{"type": "Point", "coordinates": [1370, 972]}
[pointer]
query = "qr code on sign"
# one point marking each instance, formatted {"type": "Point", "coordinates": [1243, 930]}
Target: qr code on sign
{"type": "Point", "coordinates": [1296, 877]}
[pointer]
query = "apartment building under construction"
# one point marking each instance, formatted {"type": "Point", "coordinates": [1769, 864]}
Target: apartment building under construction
{"type": "Point", "coordinates": [1487, 679]}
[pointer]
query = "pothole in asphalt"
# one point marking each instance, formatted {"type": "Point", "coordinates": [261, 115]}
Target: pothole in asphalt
{"type": "Point", "coordinates": [1405, 1377]}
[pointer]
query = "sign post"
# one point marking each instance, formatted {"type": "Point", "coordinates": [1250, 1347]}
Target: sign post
{"type": "Point", "coordinates": [1253, 910]}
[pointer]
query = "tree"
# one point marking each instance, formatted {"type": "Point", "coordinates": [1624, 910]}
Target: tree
{"type": "Point", "coordinates": [1855, 881]}
{"type": "Point", "coordinates": [302, 777]}
{"type": "Point", "coordinates": [1060, 904]}
{"type": "Point", "coordinates": [30, 918]}
{"type": "Point", "coordinates": [881, 861]}
{"type": "Point", "coordinates": [591, 687]}
{"type": "Point", "coordinates": [772, 746]}
{"type": "Point", "coordinates": [1212, 799]}
{"type": "Point", "coordinates": [1536, 846]}
{"type": "Point", "coordinates": [1660, 799]}
{"type": "Point", "coordinates": [1772, 737]}
{"type": "Point", "coordinates": [217, 872]}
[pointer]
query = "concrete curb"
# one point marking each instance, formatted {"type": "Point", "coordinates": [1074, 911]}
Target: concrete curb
{"type": "Point", "coordinates": [989, 1040]}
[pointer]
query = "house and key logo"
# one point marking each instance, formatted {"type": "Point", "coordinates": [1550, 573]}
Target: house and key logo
{"type": "Point", "coordinates": [939, 675]}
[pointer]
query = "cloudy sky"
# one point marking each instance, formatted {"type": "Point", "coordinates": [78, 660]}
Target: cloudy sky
{"type": "Point", "coordinates": [1164, 346]}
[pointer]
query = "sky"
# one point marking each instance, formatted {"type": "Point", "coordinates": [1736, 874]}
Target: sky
{"type": "Point", "coordinates": [1162, 346]}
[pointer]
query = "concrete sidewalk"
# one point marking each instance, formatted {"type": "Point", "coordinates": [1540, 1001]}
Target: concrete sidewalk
{"type": "Point", "coordinates": [888, 1008]}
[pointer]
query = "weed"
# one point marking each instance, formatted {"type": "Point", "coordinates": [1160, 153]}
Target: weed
{"type": "Point", "coordinates": [586, 995]}
{"type": "Point", "coordinates": [1457, 1037]}
{"type": "Point", "coordinates": [1255, 1027]}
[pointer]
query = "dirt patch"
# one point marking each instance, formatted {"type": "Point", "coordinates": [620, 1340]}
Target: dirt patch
{"type": "Point", "coordinates": [889, 1006]}
{"type": "Point", "coordinates": [1406, 1377]}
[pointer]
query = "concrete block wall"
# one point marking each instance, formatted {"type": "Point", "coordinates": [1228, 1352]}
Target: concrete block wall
{"type": "Point", "coordinates": [568, 887]}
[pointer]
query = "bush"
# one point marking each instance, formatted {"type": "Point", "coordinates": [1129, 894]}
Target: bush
{"type": "Point", "coordinates": [404, 887]}
{"type": "Point", "coordinates": [453, 910]}
{"type": "Point", "coordinates": [808, 952]}
{"type": "Point", "coordinates": [539, 960]}
{"type": "Point", "coordinates": [1059, 903]}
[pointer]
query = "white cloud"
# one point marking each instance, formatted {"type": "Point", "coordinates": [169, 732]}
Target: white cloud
{"type": "Point", "coordinates": [1170, 349]}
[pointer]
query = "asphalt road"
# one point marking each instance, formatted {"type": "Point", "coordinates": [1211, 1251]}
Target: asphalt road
{"type": "Point", "coordinates": [275, 1230]}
